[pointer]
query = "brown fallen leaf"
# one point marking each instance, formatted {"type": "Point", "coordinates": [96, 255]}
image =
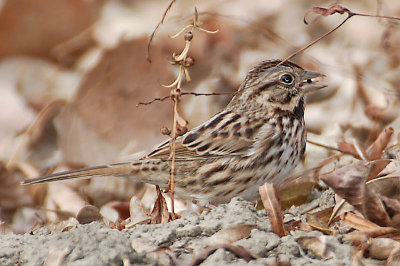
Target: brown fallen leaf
{"type": "Point", "coordinates": [349, 183]}
{"type": "Point", "coordinates": [348, 148]}
{"type": "Point", "coordinates": [37, 134]}
{"type": "Point", "coordinates": [14, 196]}
{"type": "Point", "coordinates": [122, 207]}
{"type": "Point", "coordinates": [237, 250]}
{"type": "Point", "coordinates": [326, 12]}
{"type": "Point", "coordinates": [375, 150]}
{"type": "Point", "coordinates": [319, 220]}
{"type": "Point", "coordinates": [103, 118]}
{"type": "Point", "coordinates": [296, 192]}
{"type": "Point", "coordinates": [376, 168]}
{"type": "Point", "coordinates": [61, 196]}
{"type": "Point", "coordinates": [119, 225]}
{"type": "Point", "coordinates": [231, 234]}
{"type": "Point", "coordinates": [272, 205]}
{"type": "Point", "coordinates": [375, 248]}
{"type": "Point", "coordinates": [39, 26]}
{"type": "Point", "coordinates": [358, 222]}
{"type": "Point", "coordinates": [138, 213]}
{"type": "Point", "coordinates": [382, 115]}
{"type": "Point", "coordinates": [160, 213]}
{"type": "Point", "coordinates": [294, 225]}
{"type": "Point", "coordinates": [317, 245]}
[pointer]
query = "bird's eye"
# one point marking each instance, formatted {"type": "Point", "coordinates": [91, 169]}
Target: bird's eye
{"type": "Point", "coordinates": [286, 79]}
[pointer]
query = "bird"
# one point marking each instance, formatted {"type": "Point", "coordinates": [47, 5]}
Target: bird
{"type": "Point", "coordinates": [259, 137]}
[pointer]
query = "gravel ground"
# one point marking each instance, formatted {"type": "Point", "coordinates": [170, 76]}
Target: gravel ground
{"type": "Point", "coordinates": [178, 242]}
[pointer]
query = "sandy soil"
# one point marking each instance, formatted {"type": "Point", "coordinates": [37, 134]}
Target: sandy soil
{"type": "Point", "coordinates": [179, 242]}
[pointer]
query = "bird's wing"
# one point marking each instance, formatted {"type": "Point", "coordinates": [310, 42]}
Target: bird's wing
{"type": "Point", "coordinates": [224, 134]}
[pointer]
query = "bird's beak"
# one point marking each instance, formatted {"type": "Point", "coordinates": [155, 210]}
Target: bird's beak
{"type": "Point", "coordinates": [311, 81]}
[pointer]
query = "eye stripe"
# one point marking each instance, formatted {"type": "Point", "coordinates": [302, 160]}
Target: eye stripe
{"type": "Point", "coordinates": [267, 85]}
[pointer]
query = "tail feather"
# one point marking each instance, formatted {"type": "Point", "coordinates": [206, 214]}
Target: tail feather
{"type": "Point", "coordinates": [122, 169]}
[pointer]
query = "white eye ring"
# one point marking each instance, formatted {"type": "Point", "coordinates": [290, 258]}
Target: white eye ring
{"type": "Point", "coordinates": [286, 79]}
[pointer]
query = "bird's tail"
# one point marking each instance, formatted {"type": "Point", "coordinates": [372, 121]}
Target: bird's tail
{"type": "Point", "coordinates": [141, 171]}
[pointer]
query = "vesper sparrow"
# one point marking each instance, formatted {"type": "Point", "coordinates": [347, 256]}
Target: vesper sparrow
{"type": "Point", "coordinates": [259, 137]}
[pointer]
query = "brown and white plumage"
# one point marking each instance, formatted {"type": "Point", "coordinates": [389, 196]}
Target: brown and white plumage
{"type": "Point", "coordinates": [259, 137]}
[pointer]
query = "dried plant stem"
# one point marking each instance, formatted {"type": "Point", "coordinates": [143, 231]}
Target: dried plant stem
{"type": "Point", "coordinates": [315, 41]}
{"type": "Point", "coordinates": [327, 12]}
{"type": "Point", "coordinates": [156, 28]}
{"type": "Point", "coordinates": [184, 61]}
{"type": "Point", "coordinates": [184, 93]}
{"type": "Point", "coordinates": [171, 187]}
{"type": "Point", "coordinates": [324, 146]}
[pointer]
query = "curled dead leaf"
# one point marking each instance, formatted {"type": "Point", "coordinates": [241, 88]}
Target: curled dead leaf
{"type": "Point", "coordinates": [231, 234]}
{"type": "Point", "coordinates": [348, 148]}
{"type": "Point", "coordinates": [160, 213]}
{"type": "Point", "coordinates": [272, 205]}
{"type": "Point", "coordinates": [375, 150]}
{"type": "Point", "coordinates": [138, 212]}
{"type": "Point", "coordinates": [349, 183]}
{"type": "Point", "coordinates": [319, 220]}
{"type": "Point", "coordinates": [358, 222]}
{"type": "Point", "coordinates": [327, 11]}
{"type": "Point", "coordinates": [237, 250]}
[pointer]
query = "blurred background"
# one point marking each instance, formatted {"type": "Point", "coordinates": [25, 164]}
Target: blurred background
{"type": "Point", "coordinates": [73, 71]}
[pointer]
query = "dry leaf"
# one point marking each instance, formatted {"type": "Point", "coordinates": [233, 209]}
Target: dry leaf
{"type": "Point", "coordinates": [39, 26]}
{"type": "Point", "coordinates": [138, 212]}
{"type": "Point", "coordinates": [12, 194]}
{"type": "Point", "coordinates": [375, 150]}
{"type": "Point", "coordinates": [60, 196]}
{"type": "Point", "coordinates": [160, 213]}
{"type": "Point", "coordinates": [272, 205]}
{"type": "Point", "coordinates": [358, 222]}
{"type": "Point", "coordinates": [231, 234]}
{"type": "Point", "coordinates": [317, 245]}
{"type": "Point", "coordinates": [349, 183]}
{"type": "Point", "coordinates": [237, 250]}
{"type": "Point", "coordinates": [348, 148]}
{"type": "Point", "coordinates": [319, 220]}
{"type": "Point", "coordinates": [376, 248]}
{"type": "Point", "coordinates": [296, 192]}
{"type": "Point", "coordinates": [38, 139]}
{"type": "Point", "coordinates": [326, 12]}
{"type": "Point", "coordinates": [103, 119]}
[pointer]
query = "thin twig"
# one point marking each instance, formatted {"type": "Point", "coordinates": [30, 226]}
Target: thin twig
{"type": "Point", "coordinates": [324, 146]}
{"type": "Point", "coordinates": [315, 41]}
{"type": "Point", "coordinates": [327, 12]}
{"type": "Point", "coordinates": [156, 28]}
{"type": "Point", "coordinates": [155, 99]}
{"type": "Point", "coordinates": [184, 93]}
